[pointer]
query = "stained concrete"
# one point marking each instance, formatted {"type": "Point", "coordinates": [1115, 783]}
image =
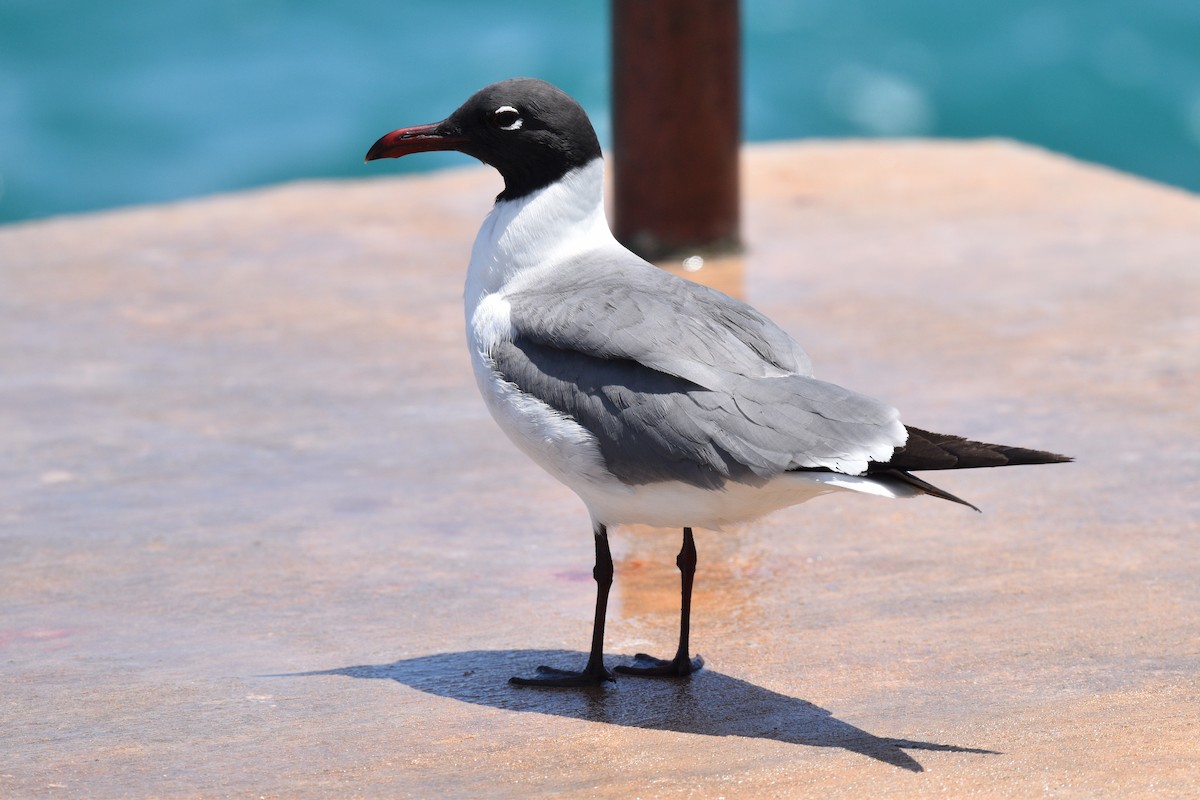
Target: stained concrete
{"type": "Point", "coordinates": [261, 539]}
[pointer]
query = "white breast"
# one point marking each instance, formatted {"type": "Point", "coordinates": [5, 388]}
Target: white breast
{"type": "Point", "coordinates": [519, 240]}
{"type": "Point", "coordinates": [555, 442]}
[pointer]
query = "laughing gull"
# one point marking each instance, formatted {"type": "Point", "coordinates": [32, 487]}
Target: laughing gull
{"type": "Point", "coordinates": [655, 399]}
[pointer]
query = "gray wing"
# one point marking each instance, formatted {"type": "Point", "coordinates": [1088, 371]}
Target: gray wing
{"type": "Point", "coordinates": [656, 318]}
{"type": "Point", "coordinates": [683, 383]}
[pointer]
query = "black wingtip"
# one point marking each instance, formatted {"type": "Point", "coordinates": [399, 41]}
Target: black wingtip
{"type": "Point", "coordinates": [925, 487]}
{"type": "Point", "coordinates": [926, 450]}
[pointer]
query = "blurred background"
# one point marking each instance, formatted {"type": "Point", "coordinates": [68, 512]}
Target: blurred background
{"type": "Point", "coordinates": [136, 101]}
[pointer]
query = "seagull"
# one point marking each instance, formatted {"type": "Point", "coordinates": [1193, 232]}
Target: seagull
{"type": "Point", "coordinates": [656, 400]}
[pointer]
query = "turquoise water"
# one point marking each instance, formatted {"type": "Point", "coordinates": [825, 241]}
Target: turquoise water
{"type": "Point", "coordinates": [132, 101]}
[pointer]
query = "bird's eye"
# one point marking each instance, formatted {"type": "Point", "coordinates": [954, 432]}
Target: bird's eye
{"type": "Point", "coordinates": [507, 118]}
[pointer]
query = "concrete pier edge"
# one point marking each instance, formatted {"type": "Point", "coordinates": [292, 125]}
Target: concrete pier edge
{"type": "Point", "coordinates": [259, 537]}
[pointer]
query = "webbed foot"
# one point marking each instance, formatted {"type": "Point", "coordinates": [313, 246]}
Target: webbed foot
{"type": "Point", "coordinates": [647, 666]}
{"type": "Point", "coordinates": [562, 678]}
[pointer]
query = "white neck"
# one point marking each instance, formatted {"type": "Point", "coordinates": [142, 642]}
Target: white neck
{"type": "Point", "coordinates": [539, 230]}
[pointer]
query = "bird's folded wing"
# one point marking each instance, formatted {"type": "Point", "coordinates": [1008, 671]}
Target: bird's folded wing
{"type": "Point", "coordinates": [689, 387]}
{"type": "Point", "coordinates": [662, 321]}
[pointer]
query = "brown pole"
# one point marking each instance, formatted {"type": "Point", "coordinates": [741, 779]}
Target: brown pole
{"type": "Point", "coordinates": [676, 125]}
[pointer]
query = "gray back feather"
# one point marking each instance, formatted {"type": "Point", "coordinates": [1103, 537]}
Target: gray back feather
{"type": "Point", "coordinates": [665, 322]}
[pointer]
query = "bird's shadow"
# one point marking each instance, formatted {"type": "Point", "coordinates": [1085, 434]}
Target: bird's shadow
{"type": "Point", "coordinates": [708, 703]}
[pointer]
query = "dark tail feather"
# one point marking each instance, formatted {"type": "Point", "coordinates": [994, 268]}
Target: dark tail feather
{"type": "Point", "coordinates": [926, 450]}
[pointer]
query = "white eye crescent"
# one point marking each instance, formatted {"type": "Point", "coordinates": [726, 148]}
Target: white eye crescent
{"type": "Point", "coordinates": [507, 118]}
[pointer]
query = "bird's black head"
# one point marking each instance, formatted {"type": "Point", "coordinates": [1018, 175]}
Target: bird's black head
{"type": "Point", "coordinates": [532, 132]}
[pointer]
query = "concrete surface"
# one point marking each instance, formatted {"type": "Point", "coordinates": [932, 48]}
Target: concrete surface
{"type": "Point", "coordinates": [260, 538]}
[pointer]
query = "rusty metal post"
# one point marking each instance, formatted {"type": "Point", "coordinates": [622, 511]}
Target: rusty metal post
{"type": "Point", "coordinates": [676, 125]}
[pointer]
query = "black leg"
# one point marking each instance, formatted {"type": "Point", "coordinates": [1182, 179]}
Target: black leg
{"type": "Point", "coordinates": [594, 672]}
{"type": "Point", "coordinates": [681, 665]}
